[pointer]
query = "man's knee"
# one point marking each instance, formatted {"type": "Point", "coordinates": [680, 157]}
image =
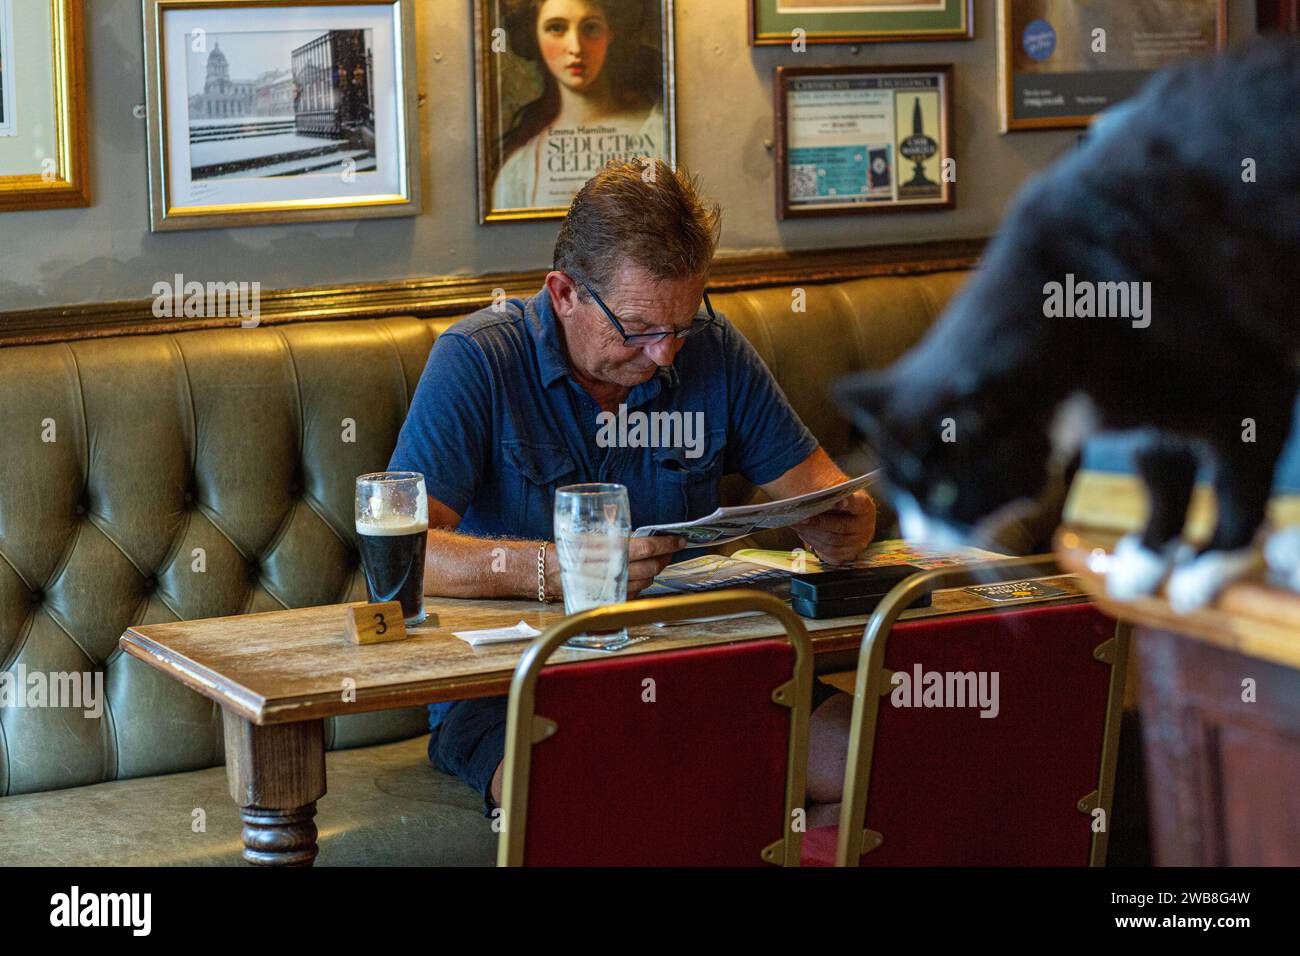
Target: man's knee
{"type": "Point", "coordinates": [828, 748]}
{"type": "Point", "coordinates": [498, 783]}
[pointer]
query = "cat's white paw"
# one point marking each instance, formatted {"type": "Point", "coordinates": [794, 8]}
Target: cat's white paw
{"type": "Point", "coordinates": [920, 528]}
{"type": "Point", "coordinates": [1133, 571]}
{"type": "Point", "coordinates": [1196, 583]}
{"type": "Point", "coordinates": [1282, 554]}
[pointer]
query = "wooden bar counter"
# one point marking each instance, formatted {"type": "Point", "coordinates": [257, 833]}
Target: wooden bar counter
{"type": "Point", "coordinates": [1220, 705]}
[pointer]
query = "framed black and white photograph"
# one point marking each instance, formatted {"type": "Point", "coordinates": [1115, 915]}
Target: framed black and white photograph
{"type": "Point", "coordinates": [7, 124]}
{"type": "Point", "coordinates": [564, 87]}
{"type": "Point", "coordinates": [270, 112]}
{"type": "Point", "coordinates": [861, 139]}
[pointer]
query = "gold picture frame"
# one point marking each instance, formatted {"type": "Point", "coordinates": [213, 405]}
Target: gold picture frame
{"type": "Point", "coordinates": [842, 21]}
{"type": "Point", "coordinates": [1107, 86]}
{"type": "Point", "coordinates": [60, 180]}
{"type": "Point", "coordinates": [496, 43]}
{"type": "Point", "coordinates": [353, 90]}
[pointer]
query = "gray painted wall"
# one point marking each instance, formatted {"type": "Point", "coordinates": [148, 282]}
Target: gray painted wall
{"type": "Point", "coordinates": [106, 252]}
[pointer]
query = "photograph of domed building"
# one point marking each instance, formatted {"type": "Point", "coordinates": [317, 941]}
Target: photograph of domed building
{"type": "Point", "coordinates": [281, 103]}
{"type": "Point", "coordinates": [270, 94]}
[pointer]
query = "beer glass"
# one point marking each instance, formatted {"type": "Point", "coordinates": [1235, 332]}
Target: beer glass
{"type": "Point", "coordinates": [392, 521]}
{"type": "Point", "coordinates": [592, 525]}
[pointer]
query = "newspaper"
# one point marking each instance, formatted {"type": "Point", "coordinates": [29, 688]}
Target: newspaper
{"type": "Point", "coordinates": [710, 572]}
{"type": "Point", "coordinates": [880, 554]}
{"type": "Point", "coordinates": [728, 524]}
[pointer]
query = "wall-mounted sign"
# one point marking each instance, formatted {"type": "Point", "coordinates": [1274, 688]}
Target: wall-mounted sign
{"type": "Point", "coordinates": [853, 140]}
{"type": "Point", "coordinates": [1060, 62]}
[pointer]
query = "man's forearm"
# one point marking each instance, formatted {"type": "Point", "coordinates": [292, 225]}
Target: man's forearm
{"type": "Point", "coordinates": [839, 535]}
{"type": "Point", "coordinates": [814, 473]}
{"type": "Point", "coordinates": [459, 565]}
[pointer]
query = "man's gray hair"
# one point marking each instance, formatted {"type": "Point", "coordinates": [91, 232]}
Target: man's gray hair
{"type": "Point", "coordinates": [648, 215]}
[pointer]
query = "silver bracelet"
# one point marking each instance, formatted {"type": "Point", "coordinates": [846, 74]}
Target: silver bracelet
{"type": "Point", "coordinates": [541, 573]}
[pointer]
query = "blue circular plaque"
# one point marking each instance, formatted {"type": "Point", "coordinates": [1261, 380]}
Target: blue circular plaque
{"type": "Point", "coordinates": [1039, 40]}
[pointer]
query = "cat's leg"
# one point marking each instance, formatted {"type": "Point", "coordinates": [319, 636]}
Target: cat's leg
{"type": "Point", "coordinates": [1282, 554]}
{"type": "Point", "coordinates": [1242, 483]}
{"type": "Point", "coordinates": [1140, 562]}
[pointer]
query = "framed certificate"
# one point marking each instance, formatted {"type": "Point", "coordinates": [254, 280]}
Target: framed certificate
{"type": "Point", "coordinates": [854, 139]}
{"type": "Point", "coordinates": [275, 111]}
{"type": "Point", "coordinates": [1060, 62]}
{"type": "Point", "coordinates": [782, 22]}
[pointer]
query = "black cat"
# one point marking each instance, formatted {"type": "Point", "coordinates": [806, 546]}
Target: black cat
{"type": "Point", "coordinates": [1149, 280]}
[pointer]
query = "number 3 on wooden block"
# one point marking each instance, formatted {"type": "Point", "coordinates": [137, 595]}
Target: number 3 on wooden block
{"type": "Point", "coordinates": [375, 623]}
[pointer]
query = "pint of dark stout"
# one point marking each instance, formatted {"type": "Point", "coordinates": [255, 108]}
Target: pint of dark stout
{"type": "Point", "coordinates": [392, 522]}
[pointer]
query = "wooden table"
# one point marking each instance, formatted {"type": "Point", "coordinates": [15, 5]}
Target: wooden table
{"type": "Point", "coordinates": [1220, 705]}
{"type": "Point", "coordinates": [278, 675]}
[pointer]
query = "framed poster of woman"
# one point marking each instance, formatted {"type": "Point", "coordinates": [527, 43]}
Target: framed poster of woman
{"type": "Point", "coordinates": [564, 87]}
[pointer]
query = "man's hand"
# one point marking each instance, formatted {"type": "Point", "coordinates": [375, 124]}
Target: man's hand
{"type": "Point", "coordinates": [646, 557]}
{"type": "Point", "coordinates": [840, 535]}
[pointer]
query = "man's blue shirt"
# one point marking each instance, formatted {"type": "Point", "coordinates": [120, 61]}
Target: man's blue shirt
{"type": "Point", "coordinates": [498, 423]}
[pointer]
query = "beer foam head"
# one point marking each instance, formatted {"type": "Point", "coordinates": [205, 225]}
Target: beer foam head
{"type": "Point", "coordinates": [392, 525]}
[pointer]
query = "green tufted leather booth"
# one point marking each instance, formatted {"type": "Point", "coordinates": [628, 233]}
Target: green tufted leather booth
{"type": "Point", "coordinates": [149, 478]}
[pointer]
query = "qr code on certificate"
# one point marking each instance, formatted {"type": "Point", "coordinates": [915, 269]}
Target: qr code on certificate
{"type": "Point", "coordinates": [803, 181]}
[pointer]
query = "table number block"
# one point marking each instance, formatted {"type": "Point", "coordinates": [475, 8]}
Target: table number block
{"type": "Point", "coordinates": [374, 623]}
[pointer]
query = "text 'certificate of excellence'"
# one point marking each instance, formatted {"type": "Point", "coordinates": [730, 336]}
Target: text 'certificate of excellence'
{"type": "Point", "coordinates": [865, 140]}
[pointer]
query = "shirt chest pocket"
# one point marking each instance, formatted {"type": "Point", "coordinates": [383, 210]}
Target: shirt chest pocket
{"type": "Point", "coordinates": [533, 471]}
{"type": "Point", "coordinates": [688, 486]}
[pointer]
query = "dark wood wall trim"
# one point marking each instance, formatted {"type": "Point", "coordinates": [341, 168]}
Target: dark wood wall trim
{"type": "Point", "coordinates": [460, 295]}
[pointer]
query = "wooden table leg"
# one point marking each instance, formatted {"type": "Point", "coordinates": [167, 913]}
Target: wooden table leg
{"type": "Point", "coordinates": [276, 773]}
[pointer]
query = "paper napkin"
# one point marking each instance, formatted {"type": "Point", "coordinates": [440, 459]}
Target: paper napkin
{"type": "Point", "coordinates": [498, 635]}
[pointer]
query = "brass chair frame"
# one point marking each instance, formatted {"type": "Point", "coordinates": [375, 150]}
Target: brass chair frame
{"type": "Point", "coordinates": [525, 727]}
{"type": "Point", "coordinates": [871, 685]}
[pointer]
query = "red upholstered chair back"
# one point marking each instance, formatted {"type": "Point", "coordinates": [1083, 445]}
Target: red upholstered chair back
{"type": "Point", "coordinates": [949, 787]}
{"type": "Point", "coordinates": [689, 757]}
{"type": "Point", "coordinates": [674, 759]}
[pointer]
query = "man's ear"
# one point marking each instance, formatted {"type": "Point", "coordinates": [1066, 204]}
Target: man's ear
{"type": "Point", "coordinates": [564, 293]}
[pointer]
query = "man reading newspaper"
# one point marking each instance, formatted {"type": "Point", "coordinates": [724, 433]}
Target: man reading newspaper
{"type": "Point", "coordinates": [516, 401]}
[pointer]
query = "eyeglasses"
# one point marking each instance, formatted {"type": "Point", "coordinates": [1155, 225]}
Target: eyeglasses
{"type": "Point", "coordinates": [701, 322]}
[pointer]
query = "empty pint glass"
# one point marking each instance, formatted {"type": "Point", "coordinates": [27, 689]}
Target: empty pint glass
{"type": "Point", "coordinates": [592, 525]}
{"type": "Point", "coordinates": [392, 521]}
